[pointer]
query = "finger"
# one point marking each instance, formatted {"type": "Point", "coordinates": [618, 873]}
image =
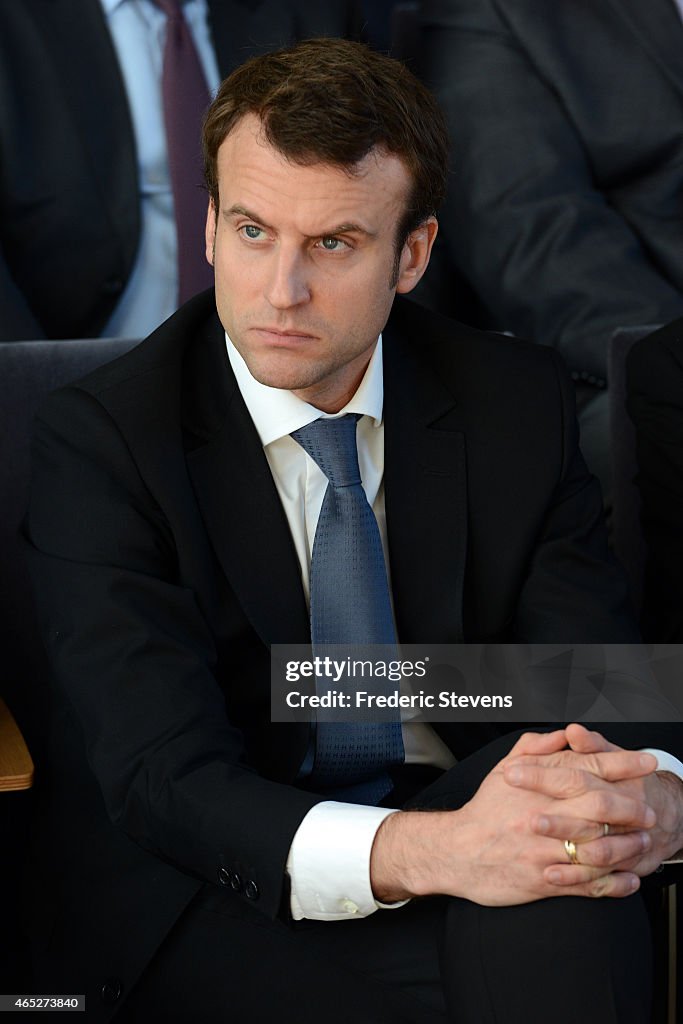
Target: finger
{"type": "Point", "coordinates": [611, 766]}
{"type": "Point", "coordinates": [585, 741]}
{"type": "Point", "coordinates": [540, 743]}
{"type": "Point", "coordinates": [611, 807]}
{"type": "Point", "coordinates": [591, 800]}
{"type": "Point", "coordinates": [616, 884]}
{"type": "Point", "coordinates": [610, 851]}
{"type": "Point", "coordinates": [560, 782]}
{"type": "Point", "coordinates": [580, 830]}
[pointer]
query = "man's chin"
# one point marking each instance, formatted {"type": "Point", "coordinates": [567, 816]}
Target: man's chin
{"type": "Point", "coordinates": [281, 373]}
{"type": "Point", "coordinates": [284, 381]}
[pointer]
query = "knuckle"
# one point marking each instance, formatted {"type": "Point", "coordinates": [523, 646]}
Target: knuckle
{"type": "Point", "coordinates": [600, 805]}
{"type": "Point", "coordinates": [599, 887]}
{"type": "Point", "coordinates": [572, 782]}
{"type": "Point", "coordinates": [600, 855]}
{"type": "Point", "coordinates": [640, 809]}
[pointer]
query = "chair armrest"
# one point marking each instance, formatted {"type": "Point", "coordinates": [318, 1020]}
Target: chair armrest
{"type": "Point", "coordinates": [16, 766]}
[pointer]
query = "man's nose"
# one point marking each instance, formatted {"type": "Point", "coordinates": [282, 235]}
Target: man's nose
{"type": "Point", "coordinates": [288, 285]}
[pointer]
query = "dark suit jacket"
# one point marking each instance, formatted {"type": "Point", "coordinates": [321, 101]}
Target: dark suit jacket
{"type": "Point", "coordinates": [655, 387]}
{"type": "Point", "coordinates": [164, 568]}
{"type": "Point", "coordinates": [69, 206]}
{"type": "Point", "coordinates": [565, 210]}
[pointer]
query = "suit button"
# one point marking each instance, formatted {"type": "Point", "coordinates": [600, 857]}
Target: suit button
{"type": "Point", "coordinates": [231, 878]}
{"type": "Point", "coordinates": [110, 992]}
{"type": "Point", "coordinates": [251, 890]}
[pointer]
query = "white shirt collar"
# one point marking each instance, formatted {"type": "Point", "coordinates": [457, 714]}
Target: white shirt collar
{"type": "Point", "coordinates": [276, 412]}
{"type": "Point", "coordinates": [110, 5]}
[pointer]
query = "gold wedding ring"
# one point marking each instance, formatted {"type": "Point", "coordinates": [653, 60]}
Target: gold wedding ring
{"type": "Point", "coordinates": [570, 847]}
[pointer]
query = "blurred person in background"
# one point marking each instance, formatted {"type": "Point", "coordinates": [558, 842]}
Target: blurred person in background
{"type": "Point", "coordinates": [101, 203]}
{"type": "Point", "coordinates": [565, 212]}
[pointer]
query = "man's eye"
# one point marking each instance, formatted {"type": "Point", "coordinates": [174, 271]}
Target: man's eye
{"type": "Point", "coordinates": [331, 244]}
{"type": "Point", "coordinates": [251, 231]}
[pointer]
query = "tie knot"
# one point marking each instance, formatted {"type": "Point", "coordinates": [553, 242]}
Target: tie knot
{"type": "Point", "coordinates": [332, 446]}
{"type": "Point", "coordinates": [171, 8]}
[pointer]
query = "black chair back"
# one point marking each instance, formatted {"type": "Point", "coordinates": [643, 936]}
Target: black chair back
{"type": "Point", "coordinates": [29, 370]}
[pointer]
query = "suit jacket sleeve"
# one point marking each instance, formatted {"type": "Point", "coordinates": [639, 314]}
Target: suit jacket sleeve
{"type": "Point", "coordinates": [525, 220]}
{"type": "Point", "coordinates": [134, 656]}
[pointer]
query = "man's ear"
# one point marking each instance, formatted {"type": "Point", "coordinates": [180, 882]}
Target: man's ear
{"type": "Point", "coordinates": [210, 232]}
{"type": "Point", "coordinates": [415, 255]}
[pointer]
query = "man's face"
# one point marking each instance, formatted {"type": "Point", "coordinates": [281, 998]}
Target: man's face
{"type": "Point", "coordinates": [304, 258]}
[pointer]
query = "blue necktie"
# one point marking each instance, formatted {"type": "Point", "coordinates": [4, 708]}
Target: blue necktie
{"type": "Point", "coordinates": [350, 605]}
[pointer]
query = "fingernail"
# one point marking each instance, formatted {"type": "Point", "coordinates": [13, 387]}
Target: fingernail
{"type": "Point", "coordinates": [514, 775]}
{"type": "Point", "coordinates": [555, 876]}
{"type": "Point", "coordinates": [645, 840]}
{"type": "Point", "coordinates": [648, 761]}
{"type": "Point", "coordinates": [542, 825]}
{"type": "Point", "coordinates": [634, 883]}
{"type": "Point", "coordinates": [650, 817]}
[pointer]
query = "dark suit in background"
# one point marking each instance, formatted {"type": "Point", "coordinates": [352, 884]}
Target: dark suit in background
{"type": "Point", "coordinates": [164, 569]}
{"type": "Point", "coordinates": [69, 203]}
{"type": "Point", "coordinates": [565, 212]}
{"type": "Point", "coordinates": [655, 385]}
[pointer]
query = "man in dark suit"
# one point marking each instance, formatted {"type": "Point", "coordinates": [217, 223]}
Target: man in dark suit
{"type": "Point", "coordinates": [565, 213]}
{"type": "Point", "coordinates": [72, 179]}
{"type": "Point", "coordinates": [201, 861]}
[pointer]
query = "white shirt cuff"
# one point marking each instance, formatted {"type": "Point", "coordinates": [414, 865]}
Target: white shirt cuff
{"type": "Point", "coordinates": [667, 763]}
{"type": "Point", "coordinates": [329, 862]}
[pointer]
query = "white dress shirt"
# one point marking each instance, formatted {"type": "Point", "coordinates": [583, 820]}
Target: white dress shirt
{"type": "Point", "coordinates": [138, 31]}
{"type": "Point", "coordinates": [329, 859]}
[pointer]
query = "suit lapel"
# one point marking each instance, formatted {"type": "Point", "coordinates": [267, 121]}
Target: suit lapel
{"type": "Point", "coordinates": [239, 502]}
{"type": "Point", "coordinates": [657, 26]}
{"type": "Point", "coordinates": [425, 491]}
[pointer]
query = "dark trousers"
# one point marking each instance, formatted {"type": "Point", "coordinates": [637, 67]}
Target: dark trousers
{"type": "Point", "coordinates": [434, 960]}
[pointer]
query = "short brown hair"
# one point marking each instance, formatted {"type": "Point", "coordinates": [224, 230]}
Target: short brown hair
{"type": "Point", "coordinates": [333, 101]}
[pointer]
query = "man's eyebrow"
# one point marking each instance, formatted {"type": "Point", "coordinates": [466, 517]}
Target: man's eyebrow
{"type": "Point", "coordinates": [241, 211]}
{"type": "Point", "coordinates": [347, 228]}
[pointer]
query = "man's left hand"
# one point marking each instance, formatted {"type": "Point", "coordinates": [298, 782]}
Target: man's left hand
{"type": "Point", "coordinates": [590, 778]}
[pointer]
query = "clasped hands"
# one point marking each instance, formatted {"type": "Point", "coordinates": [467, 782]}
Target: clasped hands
{"type": "Point", "coordinates": [507, 845]}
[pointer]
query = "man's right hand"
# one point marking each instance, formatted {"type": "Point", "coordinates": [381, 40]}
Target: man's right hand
{"type": "Point", "coordinates": [487, 851]}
